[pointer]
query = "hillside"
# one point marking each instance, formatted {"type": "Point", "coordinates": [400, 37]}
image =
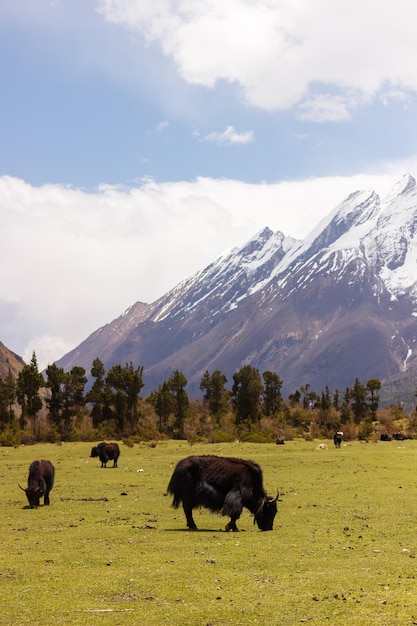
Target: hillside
{"type": "Point", "coordinates": [9, 361]}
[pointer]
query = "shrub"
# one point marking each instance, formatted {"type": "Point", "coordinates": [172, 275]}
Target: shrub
{"type": "Point", "coordinates": [220, 436]}
{"type": "Point", "coordinates": [11, 437]}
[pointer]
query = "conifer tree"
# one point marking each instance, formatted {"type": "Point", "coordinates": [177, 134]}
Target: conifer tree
{"type": "Point", "coordinates": [164, 405]}
{"type": "Point", "coordinates": [29, 382]}
{"type": "Point", "coordinates": [272, 398]}
{"type": "Point", "coordinates": [98, 395]}
{"type": "Point", "coordinates": [246, 394]}
{"type": "Point", "coordinates": [216, 396]}
{"type": "Point", "coordinates": [127, 383]}
{"type": "Point", "coordinates": [176, 385]}
{"type": "Point", "coordinates": [7, 398]}
{"type": "Point", "coordinates": [373, 385]}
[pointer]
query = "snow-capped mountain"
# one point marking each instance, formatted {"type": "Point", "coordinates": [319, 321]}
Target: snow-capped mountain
{"type": "Point", "coordinates": [340, 304]}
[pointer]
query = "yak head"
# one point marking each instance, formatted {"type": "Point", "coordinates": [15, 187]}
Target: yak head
{"type": "Point", "coordinates": [33, 494]}
{"type": "Point", "coordinates": [265, 515]}
{"type": "Point", "coordinates": [95, 451]}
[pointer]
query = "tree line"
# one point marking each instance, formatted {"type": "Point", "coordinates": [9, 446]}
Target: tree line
{"type": "Point", "coordinates": [58, 407]}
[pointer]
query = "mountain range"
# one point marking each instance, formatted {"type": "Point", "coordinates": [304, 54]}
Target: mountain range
{"type": "Point", "coordinates": [338, 305]}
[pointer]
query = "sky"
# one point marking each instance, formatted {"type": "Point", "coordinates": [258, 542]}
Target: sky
{"type": "Point", "coordinates": [139, 139]}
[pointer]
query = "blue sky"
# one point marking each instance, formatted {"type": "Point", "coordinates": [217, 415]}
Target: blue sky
{"type": "Point", "coordinates": [140, 138]}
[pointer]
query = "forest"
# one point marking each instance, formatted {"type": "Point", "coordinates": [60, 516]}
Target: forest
{"type": "Point", "coordinates": [57, 407]}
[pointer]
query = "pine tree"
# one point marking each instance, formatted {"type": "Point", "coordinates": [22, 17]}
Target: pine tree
{"type": "Point", "coordinates": [176, 386]}
{"type": "Point", "coordinates": [246, 394]}
{"type": "Point", "coordinates": [272, 398]}
{"type": "Point", "coordinates": [96, 395]}
{"type": "Point", "coordinates": [29, 382]}
{"type": "Point", "coordinates": [216, 396]}
{"type": "Point", "coordinates": [126, 383]}
{"type": "Point", "coordinates": [373, 385]}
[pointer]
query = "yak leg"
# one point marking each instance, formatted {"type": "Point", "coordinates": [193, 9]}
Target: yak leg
{"type": "Point", "coordinates": [232, 526]}
{"type": "Point", "coordinates": [232, 506]}
{"type": "Point", "coordinates": [189, 516]}
{"type": "Point", "coordinates": [46, 499]}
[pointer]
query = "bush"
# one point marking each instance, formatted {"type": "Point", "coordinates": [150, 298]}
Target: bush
{"type": "Point", "coordinates": [28, 440]}
{"type": "Point", "coordinates": [259, 437]}
{"type": "Point", "coordinates": [253, 433]}
{"type": "Point", "coordinates": [365, 430]}
{"type": "Point", "coordinates": [11, 437]}
{"type": "Point", "coordinates": [220, 436]}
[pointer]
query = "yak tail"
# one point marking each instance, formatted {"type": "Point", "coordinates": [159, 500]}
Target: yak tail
{"type": "Point", "coordinates": [174, 488]}
{"type": "Point", "coordinates": [176, 502]}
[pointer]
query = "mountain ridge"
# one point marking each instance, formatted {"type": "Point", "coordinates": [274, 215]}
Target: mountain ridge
{"type": "Point", "coordinates": [340, 303]}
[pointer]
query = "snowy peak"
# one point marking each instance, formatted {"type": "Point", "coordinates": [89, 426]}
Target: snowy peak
{"type": "Point", "coordinates": [406, 185]}
{"type": "Point", "coordinates": [340, 304]}
{"type": "Point", "coordinates": [376, 236]}
{"type": "Point", "coordinates": [393, 247]}
{"type": "Point", "coordinates": [351, 221]}
{"type": "Point", "coordinates": [230, 278]}
{"type": "Point", "coordinates": [361, 234]}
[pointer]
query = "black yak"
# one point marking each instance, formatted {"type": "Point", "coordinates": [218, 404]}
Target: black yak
{"type": "Point", "coordinates": [224, 485]}
{"type": "Point", "coordinates": [338, 438]}
{"type": "Point", "coordinates": [40, 482]}
{"type": "Point", "coordinates": [106, 452]}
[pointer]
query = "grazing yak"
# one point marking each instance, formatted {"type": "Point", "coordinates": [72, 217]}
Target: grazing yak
{"type": "Point", "coordinates": [338, 438]}
{"type": "Point", "coordinates": [224, 485]}
{"type": "Point", "coordinates": [106, 452]}
{"type": "Point", "coordinates": [40, 482]}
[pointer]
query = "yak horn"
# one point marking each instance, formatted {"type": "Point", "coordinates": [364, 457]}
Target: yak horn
{"type": "Point", "coordinates": [22, 488]}
{"type": "Point", "coordinates": [275, 499]}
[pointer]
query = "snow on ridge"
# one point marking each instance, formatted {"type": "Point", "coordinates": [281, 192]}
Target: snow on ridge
{"type": "Point", "coordinates": [361, 219]}
{"type": "Point", "coordinates": [262, 235]}
{"type": "Point", "coordinates": [361, 225]}
{"type": "Point", "coordinates": [405, 185]}
{"type": "Point", "coordinates": [348, 209]}
{"type": "Point", "coordinates": [402, 279]}
{"type": "Point", "coordinates": [251, 257]}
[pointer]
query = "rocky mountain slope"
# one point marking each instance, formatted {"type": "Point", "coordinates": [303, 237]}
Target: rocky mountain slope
{"type": "Point", "coordinates": [340, 304]}
{"type": "Point", "coordinates": [9, 361]}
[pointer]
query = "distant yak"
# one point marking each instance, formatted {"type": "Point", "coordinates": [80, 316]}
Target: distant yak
{"type": "Point", "coordinates": [224, 485]}
{"type": "Point", "coordinates": [338, 438]}
{"type": "Point", "coordinates": [40, 482]}
{"type": "Point", "coordinates": [106, 452]}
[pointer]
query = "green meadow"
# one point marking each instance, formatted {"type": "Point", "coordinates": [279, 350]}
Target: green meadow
{"type": "Point", "coordinates": [110, 549]}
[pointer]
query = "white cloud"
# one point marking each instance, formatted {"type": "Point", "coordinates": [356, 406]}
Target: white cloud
{"type": "Point", "coordinates": [277, 51]}
{"type": "Point", "coordinates": [72, 261]}
{"type": "Point", "coordinates": [230, 136]}
{"type": "Point", "coordinates": [162, 126]}
{"type": "Point", "coordinates": [47, 348]}
{"type": "Point", "coordinates": [325, 108]}
{"type": "Point", "coordinates": [395, 95]}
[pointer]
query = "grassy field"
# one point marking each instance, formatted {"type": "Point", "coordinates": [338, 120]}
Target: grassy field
{"type": "Point", "coordinates": [111, 550]}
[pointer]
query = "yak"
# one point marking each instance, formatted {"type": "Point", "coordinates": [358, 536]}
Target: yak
{"type": "Point", "coordinates": [106, 452]}
{"type": "Point", "coordinates": [222, 484]}
{"type": "Point", "coordinates": [40, 482]}
{"type": "Point", "coordinates": [338, 438]}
